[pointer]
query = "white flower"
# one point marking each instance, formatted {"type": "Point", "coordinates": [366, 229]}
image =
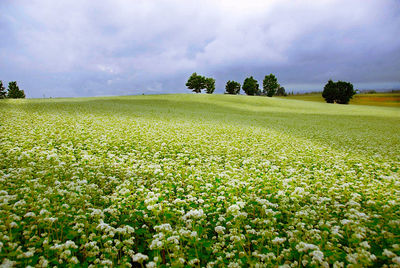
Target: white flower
{"type": "Point", "coordinates": [43, 211]}
{"type": "Point", "coordinates": [151, 265]}
{"type": "Point", "coordinates": [70, 244]}
{"type": "Point", "coordinates": [234, 210]}
{"type": "Point", "coordinates": [396, 260]}
{"type": "Point", "coordinates": [30, 214]}
{"type": "Point", "coordinates": [303, 247]}
{"type": "Point", "coordinates": [278, 240]}
{"type": "Point", "coordinates": [317, 255]}
{"type": "Point", "coordinates": [220, 198]}
{"type": "Point", "coordinates": [388, 253]}
{"type": "Point", "coordinates": [74, 260]}
{"type": "Point", "coordinates": [194, 213]}
{"type": "Point", "coordinates": [7, 263]}
{"type": "Point", "coordinates": [194, 261]}
{"type": "Point", "coordinates": [193, 234]}
{"type": "Point", "coordinates": [220, 229]}
{"type": "Point", "coordinates": [365, 244]}
{"type": "Point", "coordinates": [345, 221]}
{"type": "Point", "coordinates": [129, 229]}
{"type": "Point", "coordinates": [139, 257]}
{"type": "Point", "coordinates": [166, 227]}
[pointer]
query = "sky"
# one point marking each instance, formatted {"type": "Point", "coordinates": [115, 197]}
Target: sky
{"type": "Point", "coordinates": [72, 48]}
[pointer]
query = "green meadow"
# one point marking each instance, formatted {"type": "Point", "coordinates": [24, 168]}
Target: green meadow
{"type": "Point", "coordinates": [200, 180]}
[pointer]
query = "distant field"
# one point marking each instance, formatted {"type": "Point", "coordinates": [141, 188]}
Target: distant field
{"type": "Point", "coordinates": [378, 99]}
{"type": "Point", "coordinates": [198, 181]}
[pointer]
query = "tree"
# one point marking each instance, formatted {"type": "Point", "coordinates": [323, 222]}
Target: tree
{"type": "Point", "coordinates": [281, 92]}
{"type": "Point", "coordinates": [270, 85]}
{"type": "Point", "coordinates": [3, 92]}
{"type": "Point", "coordinates": [339, 92]}
{"type": "Point", "coordinates": [345, 92]}
{"type": "Point", "coordinates": [196, 83]}
{"type": "Point", "coordinates": [210, 85]}
{"type": "Point", "coordinates": [232, 87]}
{"type": "Point", "coordinates": [250, 86]}
{"type": "Point", "coordinates": [14, 92]}
{"type": "Point", "coordinates": [329, 93]}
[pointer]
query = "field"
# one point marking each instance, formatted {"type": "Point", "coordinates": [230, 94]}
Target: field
{"type": "Point", "coordinates": [198, 180]}
{"type": "Point", "coordinates": [376, 99]}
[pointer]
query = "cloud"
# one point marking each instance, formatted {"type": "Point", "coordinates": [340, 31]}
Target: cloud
{"type": "Point", "coordinates": [112, 47]}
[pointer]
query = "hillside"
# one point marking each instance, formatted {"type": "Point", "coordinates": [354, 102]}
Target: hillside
{"type": "Point", "coordinates": [196, 180]}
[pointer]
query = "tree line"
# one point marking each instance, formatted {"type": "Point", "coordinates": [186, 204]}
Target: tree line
{"type": "Point", "coordinates": [250, 86]}
{"type": "Point", "coordinates": [334, 92]}
{"type": "Point", "coordinates": [12, 92]}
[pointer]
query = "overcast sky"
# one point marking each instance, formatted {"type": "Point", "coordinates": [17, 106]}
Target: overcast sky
{"type": "Point", "coordinates": [119, 47]}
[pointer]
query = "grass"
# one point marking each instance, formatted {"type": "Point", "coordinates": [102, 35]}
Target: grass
{"type": "Point", "coordinates": [376, 99]}
{"type": "Point", "coordinates": [198, 180]}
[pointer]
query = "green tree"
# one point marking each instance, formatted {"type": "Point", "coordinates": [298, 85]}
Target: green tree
{"type": "Point", "coordinates": [270, 85]}
{"type": "Point", "coordinates": [210, 85]}
{"type": "Point", "coordinates": [340, 92]}
{"type": "Point", "coordinates": [14, 92]}
{"type": "Point", "coordinates": [329, 93]}
{"type": "Point", "coordinates": [281, 92]}
{"type": "Point", "coordinates": [3, 92]}
{"type": "Point", "coordinates": [345, 91]}
{"type": "Point", "coordinates": [250, 86]}
{"type": "Point", "coordinates": [196, 83]}
{"type": "Point", "coordinates": [232, 87]}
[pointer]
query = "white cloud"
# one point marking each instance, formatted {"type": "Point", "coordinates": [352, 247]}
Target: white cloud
{"type": "Point", "coordinates": [145, 43]}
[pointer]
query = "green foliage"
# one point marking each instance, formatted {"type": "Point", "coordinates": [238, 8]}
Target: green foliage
{"type": "Point", "coordinates": [3, 92]}
{"type": "Point", "coordinates": [340, 92]}
{"type": "Point", "coordinates": [281, 92]}
{"type": "Point", "coordinates": [198, 181]}
{"type": "Point", "coordinates": [210, 85]}
{"type": "Point", "coordinates": [14, 92]}
{"type": "Point", "coordinates": [345, 92]}
{"type": "Point", "coordinates": [232, 87]}
{"type": "Point", "coordinates": [270, 85]}
{"type": "Point", "coordinates": [196, 83]}
{"type": "Point", "coordinates": [329, 93]}
{"type": "Point", "coordinates": [250, 86]}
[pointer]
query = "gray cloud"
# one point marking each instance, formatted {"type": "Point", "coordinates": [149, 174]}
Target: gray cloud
{"type": "Point", "coordinates": [116, 47]}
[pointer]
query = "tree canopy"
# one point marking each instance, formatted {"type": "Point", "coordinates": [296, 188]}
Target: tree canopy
{"type": "Point", "coordinates": [196, 83]}
{"type": "Point", "coordinates": [250, 86]}
{"type": "Point", "coordinates": [232, 87]}
{"type": "Point", "coordinates": [3, 92]}
{"type": "Point", "coordinates": [14, 92]}
{"type": "Point", "coordinates": [270, 85]}
{"type": "Point", "coordinates": [281, 92]}
{"type": "Point", "coordinates": [339, 92]}
{"type": "Point", "coordinates": [210, 85]}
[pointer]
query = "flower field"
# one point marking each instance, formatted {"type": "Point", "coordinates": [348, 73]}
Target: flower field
{"type": "Point", "coordinates": [198, 180]}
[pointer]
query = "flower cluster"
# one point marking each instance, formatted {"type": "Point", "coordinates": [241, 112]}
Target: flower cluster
{"type": "Point", "coordinates": [210, 181]}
